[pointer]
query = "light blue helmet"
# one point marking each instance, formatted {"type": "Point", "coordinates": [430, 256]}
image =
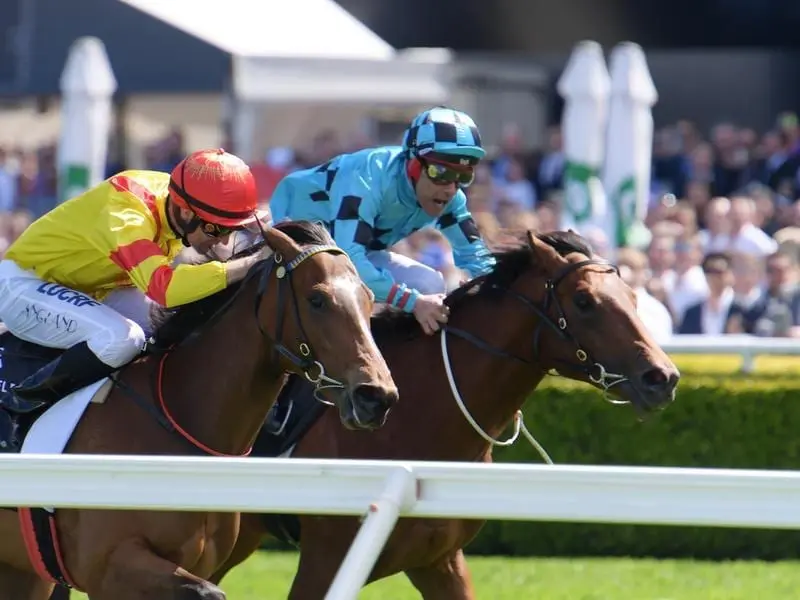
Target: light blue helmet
{"type": "Point", "coordinates": [445, 132]}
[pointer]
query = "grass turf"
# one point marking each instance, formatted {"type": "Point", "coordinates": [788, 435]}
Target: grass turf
{"type": "Point", "coordinates": [267, 576]}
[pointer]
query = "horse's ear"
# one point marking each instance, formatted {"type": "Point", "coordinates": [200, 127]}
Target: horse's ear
{"type": "Point", "coordinates": [544, 254]}
{"type": "Point", "coordinates": [281, 243]}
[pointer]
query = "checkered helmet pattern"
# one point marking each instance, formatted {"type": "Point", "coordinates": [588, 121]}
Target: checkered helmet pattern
{"type": "Point", "coordinates": [443, 130]}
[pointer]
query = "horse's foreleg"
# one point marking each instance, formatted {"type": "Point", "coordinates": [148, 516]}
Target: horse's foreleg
{"type": "Point", "coordinates": [135, 573]}
{"type": "Point", "coordinates": [251, 532]}
{"type": "Point", "coordinates": [322, 550]}
{"type": "Point", "coordinates": [448, 579]}
{"type": "Point", "coordinates": [314, 575]}
{"type": "Point", "coordinates": [22, 585]}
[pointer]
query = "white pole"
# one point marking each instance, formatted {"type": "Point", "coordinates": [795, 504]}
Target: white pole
{"type": "Point", "coordinates": [584, 86]}
{"type": "Point", "coordinates": [626, 174]}
{"type": "Point", "coordinates": [399, 494]}
{"type": "Point", "coordinates": [87, 87]}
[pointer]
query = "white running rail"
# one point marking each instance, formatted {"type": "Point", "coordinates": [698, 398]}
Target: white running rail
{"type": "Point", "coordinates": [382, 491]}
{"type": "Point", "coordinates": [746, 346]}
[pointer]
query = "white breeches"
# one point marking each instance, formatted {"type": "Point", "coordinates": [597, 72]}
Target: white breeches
{"type": "Point", "coordinates": [55, 316]}
{"type": "Point", "coordinates": [409, 271]}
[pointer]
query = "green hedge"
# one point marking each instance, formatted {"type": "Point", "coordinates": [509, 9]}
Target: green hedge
{"type": "Point", "coordinates": [719, 419]}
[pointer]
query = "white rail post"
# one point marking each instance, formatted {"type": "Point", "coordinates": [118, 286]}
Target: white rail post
{"type": "Point", "coordinates": [748, 361]}
{"type": "Point", "coordinates": [400, 493]}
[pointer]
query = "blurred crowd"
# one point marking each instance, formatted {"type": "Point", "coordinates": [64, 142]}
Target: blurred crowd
{"type": "Point", "coordinates": [724, 217]}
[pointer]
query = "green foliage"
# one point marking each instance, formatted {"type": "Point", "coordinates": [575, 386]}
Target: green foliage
{"type": "Point", "coordinates": [720, 419]}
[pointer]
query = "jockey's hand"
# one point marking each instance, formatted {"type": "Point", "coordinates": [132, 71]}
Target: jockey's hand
{"type": "Point", "coordinates": [430, 310]}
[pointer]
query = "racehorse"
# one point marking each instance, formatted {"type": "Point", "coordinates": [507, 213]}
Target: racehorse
{"type": "Point", "coordinates": [205, 388]}
{"type": "Point", "coordinates": [548, 304]}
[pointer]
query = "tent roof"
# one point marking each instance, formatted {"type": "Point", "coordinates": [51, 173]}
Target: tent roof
{"type": "Point", "coordinates": [268, 28]}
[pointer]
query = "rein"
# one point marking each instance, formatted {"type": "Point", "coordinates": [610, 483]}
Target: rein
{"type": "Point", "coordinates": [594, 371]}
{"type": "Point", "coordinates": [304, 360]}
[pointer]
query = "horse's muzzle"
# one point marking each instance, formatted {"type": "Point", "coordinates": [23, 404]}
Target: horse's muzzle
{"type": "Point", "coordinates": [656, 387]}
{"type": "Point", "coordinates": [368, 406]}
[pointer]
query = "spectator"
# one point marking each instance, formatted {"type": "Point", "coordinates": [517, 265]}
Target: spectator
{"type": "Point", "coordinates": [517, 189]}
{"type": "Point", "coordinates": [508, 213]}
{"type": "Point", "coordinates": [548, 214]}
{"type": "Point", "coordinates": [698, 195]}
{"type": "Point", "coordinates": [686, 284]}
{"type": "Point", "coordinates": [670, 166]}
{"type": "Point", "coordinates": [770, 154]}
{"type": "Point", "coordinates": [655, 316]}
{"type": "Point", "coordinates": [701, 166]}
{"type": "Point", "coordinates": [686, 216]}
{"type": "Point", "coordinates": [511, 148]}
{"type": "Point", "coordinates": [712, 315]}
{"type": "Point", "coordinates": [766, 204]}
{"type": "Point", "coordinates": [598, 240]}
{"type": "Point", "coordinates": [730, 159]}
{"type": "Point", "coordinates": [169, 152]}
{"type": "Point", "coordinates": [777, 311]}
{"type": "Point", "coordinates": [550, 175]}
{"type": "Point", "coordinates": [716, 235]}
{"type": "Point", "coordinates": [8, 184]}
{"type": "Point", "coordinates": [661, 256]}
{"type": "Point", "coordinates": [745, 237]}
{"type": "Point", "coordinates": [748, 277]}
{"type": "Point", "coordinates": [487, 225]}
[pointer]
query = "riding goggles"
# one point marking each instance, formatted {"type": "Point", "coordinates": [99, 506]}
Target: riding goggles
{"type": "Point", "coordinates": [442, 174]}
{"type": "Point", "coordinates": [213, 230]}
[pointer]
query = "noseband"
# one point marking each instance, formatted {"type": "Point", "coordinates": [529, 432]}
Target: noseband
{"type": "Point", "coordinates": [595, 371]}
{"type": "Point", "coordinates": [305, 361]}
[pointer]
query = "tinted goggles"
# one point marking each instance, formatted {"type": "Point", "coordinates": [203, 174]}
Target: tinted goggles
{"type": "Point", "coordinates": [213, 230]}
{"type": "Point", "coordinates": [442, 174]}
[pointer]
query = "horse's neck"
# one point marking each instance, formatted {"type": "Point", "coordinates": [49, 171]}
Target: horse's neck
{"type": "Point", "coordinates": [491, 387]}
{"type": "Point", "coordinates": [217, 386]}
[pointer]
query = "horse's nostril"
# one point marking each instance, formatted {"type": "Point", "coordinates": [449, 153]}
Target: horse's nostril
{"type": "Point", "coordinates": [659, 379]}
{"type": "Point", "coordinates": [376, 396]}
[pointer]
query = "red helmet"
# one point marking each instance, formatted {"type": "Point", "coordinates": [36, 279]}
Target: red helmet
{"type": "Point", "coordinates": [217, 185]}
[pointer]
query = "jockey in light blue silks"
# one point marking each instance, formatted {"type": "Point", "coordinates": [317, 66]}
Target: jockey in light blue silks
{"type": "Point", "coordinates": [373, 198]}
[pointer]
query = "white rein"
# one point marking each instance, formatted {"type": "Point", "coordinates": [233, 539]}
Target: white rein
{"type": "Point", "coordinates": [519, 421]}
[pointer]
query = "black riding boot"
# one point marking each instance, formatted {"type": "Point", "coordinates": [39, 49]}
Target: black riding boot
{"type": "Point", "coordinates": [76, 368]}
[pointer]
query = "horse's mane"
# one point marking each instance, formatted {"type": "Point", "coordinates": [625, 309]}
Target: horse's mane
{"type": "Point", "coordinates": [173, 325]}
{"type": "Point", "coordinates": [511, 261]}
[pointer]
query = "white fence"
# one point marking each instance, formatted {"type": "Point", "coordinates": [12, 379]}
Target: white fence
{"type": "Point", "coordinates": [746, 346]}
{"type": "Point", "coordinates": [384, 490]}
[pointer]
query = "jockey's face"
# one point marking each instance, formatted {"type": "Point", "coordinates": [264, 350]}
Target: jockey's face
{"type": "Point", "coordinates": [200, 241]}
{"type": "Point", "coordinates": [434, 196]}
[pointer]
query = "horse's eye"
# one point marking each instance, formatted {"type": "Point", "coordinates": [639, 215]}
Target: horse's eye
{"type": "Point", "coordinates": [583, 301]}
{"type": "Point", "coordinates": [317, 300]}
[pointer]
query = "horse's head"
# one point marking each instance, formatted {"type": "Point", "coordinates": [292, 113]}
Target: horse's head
{"type": "Point", "coordinates": [587, 327]}
{"type": "Point", "coordinates": [318, 319]}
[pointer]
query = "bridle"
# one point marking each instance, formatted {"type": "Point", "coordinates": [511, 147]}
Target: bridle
{"type": "Point", "coordinates": [305, 361]}
{"type": "Point", "coordinates": [595, 371]}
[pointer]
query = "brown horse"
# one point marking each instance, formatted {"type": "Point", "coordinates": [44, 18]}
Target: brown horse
{"type": "Point", "coordinates": [549, 304]}
{"type": "Point", "coordinates": [302, 309]}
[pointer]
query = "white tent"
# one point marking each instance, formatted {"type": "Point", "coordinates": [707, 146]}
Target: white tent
{"type": "Point", "coordinates": [304, 51]}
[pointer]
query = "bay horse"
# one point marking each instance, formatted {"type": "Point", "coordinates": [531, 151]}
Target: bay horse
{"type": "Point", "coordinates": [217, 367]}
{"type": "Point", "coordinates": [548, 304]}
